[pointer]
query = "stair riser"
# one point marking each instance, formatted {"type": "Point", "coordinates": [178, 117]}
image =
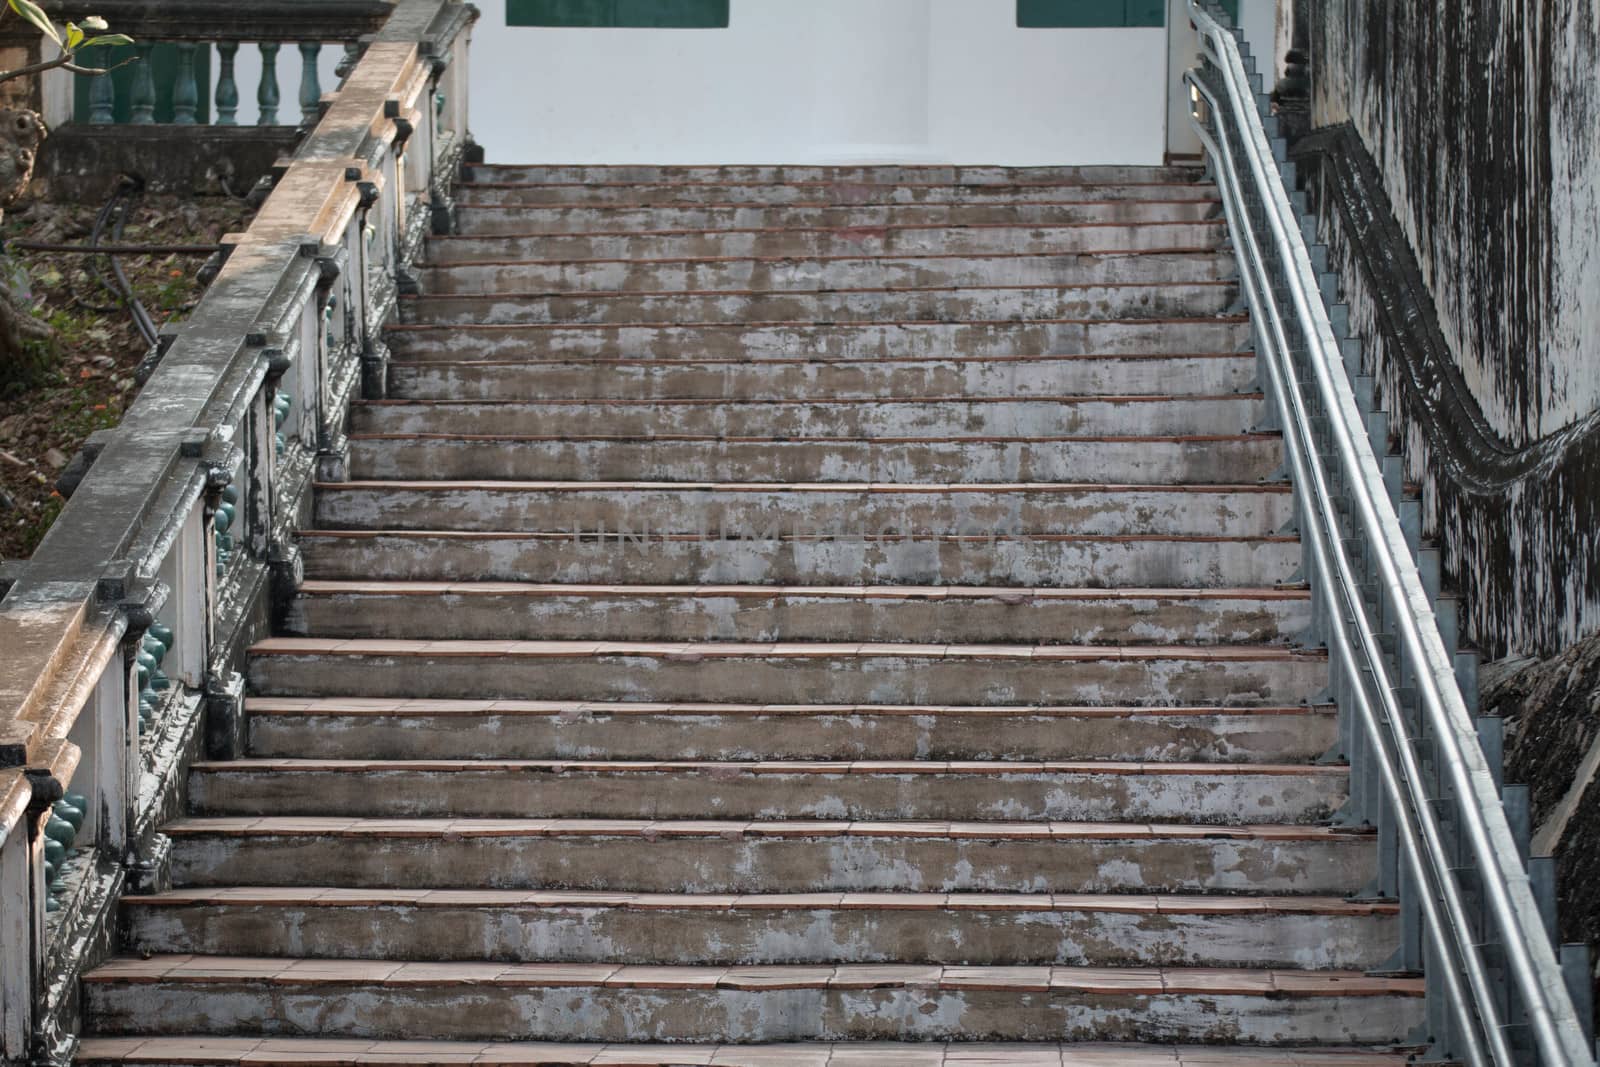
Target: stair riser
{"type": "Point", "coordinates": [799, 865]}
{"type": "Point", "coordinates": [933, 239]}
{"type": "Point", "coordinates": [1094, 302]}
{"type": "Point", "coordinates": [1007, 177]}
{"type": "Point", "coordinates": [861, 420]}
{"type": "Point", "coordinates": [671, 936]}
{"type": "Point", "coordinates": [593, 734]}
{"type": "Point", "coordinates": [494, 190]}
{"type": "Point", "coordinates": [577, 794]}
{"type": "Point", "coordinates": [447, 1011]}
{"type": "Point", "coordinates": [777, 679]}
{"type": "Point", "coordinates": [1139, 462]}
{"type": "Point", "coordinates": [811, 274]}
{"type": "Point", "coordinates": [475, 221]}
{"type": "Point", "coordinates": [763, 513]}
{"type": "Point", "coordinates": [1203, 376]}
{"type": "Point", "coordinates": [1055, 564]}
{"type": "Point", "coordinates": [847, 341]}
{"type": "Point", "coordinates": [967, 620]}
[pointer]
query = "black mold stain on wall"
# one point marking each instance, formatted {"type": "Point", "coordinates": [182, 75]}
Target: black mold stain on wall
{"type": "Point", "coordinates": [1460, 198]}
{"type": "Point", "coordinates": [1517, 526]}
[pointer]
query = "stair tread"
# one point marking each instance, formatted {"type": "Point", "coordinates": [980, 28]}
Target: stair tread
{"type": "Point", "coordinates": [339, 646]}
{"type": "Point", "coordinates": [299, 706]}
{"type": "Point", "coordinates": [851, 257]}
{"type": "Point", "coordinates": [790, 324]}
{"type": "Point", "coordinates": [1213, 223]}
{"type": "Point", "coordinates": [841, 290]}
{"type": "Point", "coordinates": [972, 768]}
{"type": "Point", "coordinates": [1069, 359]}
{"type": "Point", "coordinates": [291, 1052]}
{"type": "Point", "coordinates": [881, 488]}
{"type": "Point", "coordinates": [1166, 903]}
{"type": "Point", "coordinates": [1217, 981]}
{"type": "Point", "coordinates": [334, 826]}
{"type": "Point", "coordinates": [1009, 594]}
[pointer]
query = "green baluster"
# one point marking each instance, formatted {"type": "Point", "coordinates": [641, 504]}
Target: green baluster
{"type": "Point", "coordinates": [227, 88]}
{"type": "Point", "coordinates": [267, 91]}
{"type": "Point", "coordinates": [161, 632]}
{"type": "Point", "coordinates": [102, 92]}
{"type": "Point", "coordinates": [438, 106]}
{"type": "Point", "coordinates": [71, 808]}
{"type": "Point", "coordinates": [185, 96]}
{"type": "Point", "coordinates": [142, 94]}
{"type": "Point", "coordinates": [58, 829]}
{"type": "Point", "coordinates": [310, 85]}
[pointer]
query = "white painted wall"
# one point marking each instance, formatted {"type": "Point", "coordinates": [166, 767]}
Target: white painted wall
{"type": "Point", "coordinates": [820, 82]}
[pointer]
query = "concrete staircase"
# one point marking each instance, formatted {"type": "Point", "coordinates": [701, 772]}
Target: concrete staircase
{"type": "Point", "coordinates": [787, 616]}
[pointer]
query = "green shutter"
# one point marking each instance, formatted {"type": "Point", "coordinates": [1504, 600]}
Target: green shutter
{"type": "Point", "coordinates": [1080, 14]}
{"type": "Point", "coordinates": [1083, 14]}
{"type": "Point", "coordinates": [644, 14]}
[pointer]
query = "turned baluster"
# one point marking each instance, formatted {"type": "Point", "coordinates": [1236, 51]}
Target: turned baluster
{"type": "Point", "coordinates": [227, 88]}
{"type": "Point", "coordinates": [310, 86]}
{"type": "Point", "coordinates": [185, 95]}
{"type": "Point", "coordinates": [267, 91]}
{"type": "Point", "coordinates": [142, 93]}
{"type": "Point", "coordinates": [102, 93]}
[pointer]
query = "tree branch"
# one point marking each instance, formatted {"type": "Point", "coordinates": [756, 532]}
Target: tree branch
{"type": "Point", "coordinates": [64, 60]}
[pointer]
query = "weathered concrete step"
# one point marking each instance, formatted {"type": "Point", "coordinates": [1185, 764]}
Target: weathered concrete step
{"type": "Point", "coordinates": [1140, 300]}
{"type": "Point", "coordinates": [522, 219]}
{"type": "Point", "coordinates": [738, 856]}
{"type": "Point", "coordinates": [234, 1051]}
{"type": "Point", "coordinates": [1169, 460]}
{"type": "Point", "coordinates": [956, 418]}
{"type": "Point", "coordinates": [763, 510]}
{"type": "Point", "coordinates": [492, 189]}
{"type": "Point", "coordinates": [842, 559]}
{"type": "Point", "coordinates": [802, 275]}
{"type": "Point", "coordinates": [1228, 676]}
{"type": "Point", "coordinates": [603, 174]}
{"type": "Point", "coordinates": [869, 340]}
{"type": "Point", "coordinates": [497, 610]}
{"type": "Point", "coordinates": [406, 728]}
{"type": "Point", "coordinates": [390, 999]}
{"type": "Point", "coordinates": [771, 789]}
{"type": "Point", "coordinates": [905, 240]}
{"type": "Point", "coordinates": [780, 379]}
{"type": "Point", "coordinates": [1101, 930]}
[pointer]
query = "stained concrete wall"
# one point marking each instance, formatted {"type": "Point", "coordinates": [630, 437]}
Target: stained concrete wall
{"type": "Point", "coordinates": [823, 81]}
{"type": "Point", "coordinates": [1479, 126]}
{"type": "Point", "coordinates": [1484, 118]}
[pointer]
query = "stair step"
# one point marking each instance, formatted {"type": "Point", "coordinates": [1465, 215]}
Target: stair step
{"type": "Point", "coordinates": [672, 339]}
{"type": "Point", "coordinates": [465, 1000]}
{"type": "Point", "coordinates": [952, 419]}
{"type": "Point", "coordinates": [404, 728]}
{"type": "Point", "coordinates": [992, 929]}
{"type": "Point", "coordinates": [979, 559]}
{"type": "Point", "coordinates": [790, 789]}
{"type": "Point", "coordinates": [791, 273]}
{"type": "Point", "coordinates": [769, 856]}
{"type": "Point", "coordinates": [1141, 460]}
{"type": "Point", "coordinates": [529, 611]}
{"type": "Point", "coordinates": [766, 509]}
{"type": "Point", "coordinates": [1086, 376]}
{"type": "Point", "coordinates": [916, 239]}
{"type": "Point", "coordinates": [787, 672]}
{"type": "Point", "coordinates": [296, 1052]}
{"type": "Point", "coordinates": [872, 175]}
{"type": "Point", "coordinates": [522, 219]}
{"type": "Point", "coordinates": [493, 188]}
{"type": "Point", "coordinates": [1160, 299]}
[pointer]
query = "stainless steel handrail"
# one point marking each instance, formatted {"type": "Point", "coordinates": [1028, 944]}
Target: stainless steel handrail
{"type": "Point", "coordinates": [1466, 982]}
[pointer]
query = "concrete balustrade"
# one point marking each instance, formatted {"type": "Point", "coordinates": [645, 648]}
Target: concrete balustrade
{"type": "Point", "coordinates": [124, 635]}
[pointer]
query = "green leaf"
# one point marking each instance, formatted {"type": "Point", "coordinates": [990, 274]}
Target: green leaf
{"type": "Point", "coordinates": [34, 14]}
{"type": "Point", "coordinates": [109, 40]}
{"type": "Point", "coordinates": [74, 36]}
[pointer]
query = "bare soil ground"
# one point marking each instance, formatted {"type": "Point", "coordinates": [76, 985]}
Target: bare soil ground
{"type": "Point", "coordinates": [48, 407]}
